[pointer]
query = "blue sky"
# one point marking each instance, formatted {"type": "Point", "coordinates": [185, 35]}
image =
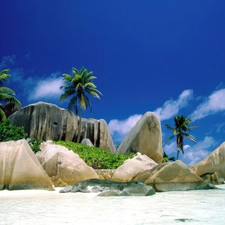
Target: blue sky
{"type": "Point", "coordinates": [166, 57]}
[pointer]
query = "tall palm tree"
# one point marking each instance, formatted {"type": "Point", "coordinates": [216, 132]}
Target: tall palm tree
{"type": "Point", "coordinates": [7, 95]}
{"type": "Point", "coordinates": [180, 131]}
{"type": "Point", "coordinates": [78, 87]}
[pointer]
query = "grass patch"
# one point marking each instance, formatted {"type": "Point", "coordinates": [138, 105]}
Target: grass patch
{"type": "Point", "coordinates": [96, 157]}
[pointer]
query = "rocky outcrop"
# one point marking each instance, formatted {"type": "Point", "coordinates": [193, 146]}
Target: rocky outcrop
{"type": "Point", "coordinates": [172, 176]}
{"type": "Point", "coordinates": [131, 167]}
{"type": "Point", "coordinates": [64, 167]}
{"type": "Point", "coordinates": [110, 188]}
{"type": "Point", "coordinates": [145, 137]}
{"type": "Point", "coordinates": [47, 121]}
{"type": "Point", "coordinates": [20, 168]}
{"type": "Point", "coordinates": [215, 162]}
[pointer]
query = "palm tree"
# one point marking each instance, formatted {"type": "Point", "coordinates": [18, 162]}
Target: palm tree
{"type": "Point", "coordinates": [7, 95]}
{"type": "Point", "coordinates": [78, 87]}
{"type": "Point", "coordinates": [180, 131]}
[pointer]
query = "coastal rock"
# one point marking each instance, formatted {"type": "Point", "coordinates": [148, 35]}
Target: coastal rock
{"type": "Point", "coordinates": [64, 167]}
{"type": "Point", "coordinates": [110, 188]}
{"type": "Point", "coordinates": [214, 178]}
{"type": "Point", "coordinates": [20, 168]}
{"type": "Point", "coordinates": [215, 162]}
{"type": "Point", "coordinates": [131, 167]}
{"type": "Point", "coordinates": [47, 121]}
{"type": "Point", "coordinates": [172, 176]}
{"type": "Point", "coordinates": [145, 137]}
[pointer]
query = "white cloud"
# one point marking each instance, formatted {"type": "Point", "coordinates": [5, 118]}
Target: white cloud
{"type": "Point", "coordinates": [48, 88]}
{"type": "Point", "coordinates": [122, 127]}
{"type": "Point", "coordinates": [213, 104]}
{"type": "Point", "coordinates": [171, 107]}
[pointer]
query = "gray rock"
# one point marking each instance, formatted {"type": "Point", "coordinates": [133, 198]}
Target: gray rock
{"type": "Point", "coordinates": [110, 188]}
{"type": "Point", "coordinates": [86, 142]}
{"type": "Point", "coordinates": [47, 121]}
{"type": "Point", "coordinates": [145, 137]}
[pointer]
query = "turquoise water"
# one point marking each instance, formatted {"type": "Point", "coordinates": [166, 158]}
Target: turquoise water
{"type": "Point", "coordinates": [43, 207]}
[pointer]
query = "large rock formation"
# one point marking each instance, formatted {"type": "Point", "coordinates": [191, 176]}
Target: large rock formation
{"type": "Point", "coordinates": [47, 121]}
{"type": "Point", "coordinates": [215, 162]}
{"type": "Point", "coordinates": [20, 168]}
{"type": "Point", "coordinates": [110, 188]}
{"type": "Point", "coordinates": [131, 167]}
{"type": "Point", "coordinates": [172, 176]}
{"type": "Point", "coordinates": [145, 137]}
{"type": "Point", "coordinates": [64, 167]}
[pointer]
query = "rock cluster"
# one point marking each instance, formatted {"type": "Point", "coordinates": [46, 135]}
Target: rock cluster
{"type": "Point", "coordinates": [172, 176]}
{"type": "Point", "coordinates": [110, 188]}
{"type": "Point", "coordinates": [64, 167]}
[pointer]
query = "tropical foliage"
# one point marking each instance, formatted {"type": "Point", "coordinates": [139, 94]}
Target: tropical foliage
{"type": "Point", "coordinates": [9, 132]}
{"type": "Point", "coordinates": [78, 88]}
{"type": "Point", "coordinates": [181, 130]}
{"type": "Point", "coordinates": [95, 157]}
{"type": "Point", "coordinates": [7, 95]}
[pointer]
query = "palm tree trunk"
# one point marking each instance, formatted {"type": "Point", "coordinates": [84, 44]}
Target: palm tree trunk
{"type": "Point", "coordinates": [178, 154]}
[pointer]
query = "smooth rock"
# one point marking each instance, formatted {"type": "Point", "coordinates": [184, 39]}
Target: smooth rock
{"type": "Point", "coordinates": [63, 165]}
{"type": "Point", "coordinates": [172, 176]}
{"type": "Point", "coordinates": [131, 167]}
{"type": "Point", "coordinates": [215, 162]}
{"type": "Point", "coordinates": [145, 137]}
{"type": "Point", "coordinates": [110, 188]}
{"type": "Point", "coordinates": [87, 142]}
{"type": "Point", "coordinates": [20, 168]}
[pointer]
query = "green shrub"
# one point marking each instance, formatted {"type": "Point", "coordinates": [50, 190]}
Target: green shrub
{"type": "Point", "coordinates": [9, 132]}
{"type": "Point", "coordinates": [96, 157]}
{"type": "Point", "coordinates": [35, 144]}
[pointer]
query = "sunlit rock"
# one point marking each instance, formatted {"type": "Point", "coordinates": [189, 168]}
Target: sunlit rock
{"type": "Point", "coordinates": [131, 167]}
{"type": "Point", "coordinates": [20, 168]}
{"type": "Point", "coordinates": [145, 137]}
{"type": "Point", "coordinates": [64, 167]}
{"type": "Point", "coordinates": [215, 162]}
{"type": "Point", "coordinates": [172, 176]}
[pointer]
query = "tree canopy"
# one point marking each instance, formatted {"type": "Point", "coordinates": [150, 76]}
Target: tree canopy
{"type": "Point", "coordinates": [78, 87]}
{"type": "Point", "coordinates": [181, 130]}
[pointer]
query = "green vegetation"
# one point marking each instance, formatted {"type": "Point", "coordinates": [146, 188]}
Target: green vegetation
{"type": "Point", "coordinates": [166, 158]}
{"type": "Point", "coordinates": [78, 87]}
{"type": "Point", "coordinates": [35, 144]}
{"type": "Point", "coordinates": [7, 95]}
{"type": "Point", "coordinates": [96, 157]}
{"type": "Point", "coordinates": [180, 131]}
{"type": "Point", "coordinates": [9, 132]}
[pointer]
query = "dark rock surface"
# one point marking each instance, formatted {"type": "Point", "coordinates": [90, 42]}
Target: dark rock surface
{"type": "Point", "coordinates": [47, 121]}
{"type": "Point", "coordinates": [110, 188]}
